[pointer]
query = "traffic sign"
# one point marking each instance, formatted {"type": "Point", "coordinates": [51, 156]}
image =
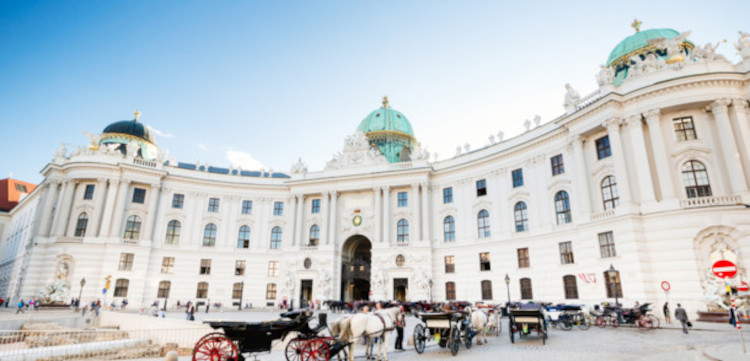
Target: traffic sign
{"type": "Point", "coordinates": [724, 269]}
{"type": "Point", "coordinates": [743, 287]}
{"type": "Point", "coordinates": [666, 286]}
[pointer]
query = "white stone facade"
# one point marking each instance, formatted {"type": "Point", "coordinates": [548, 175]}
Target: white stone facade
{"type": "Point", "coordinates": [660, 233]}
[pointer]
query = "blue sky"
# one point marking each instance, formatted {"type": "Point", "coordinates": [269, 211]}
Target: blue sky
{"type": "Point", "coordinates": [276, 80]}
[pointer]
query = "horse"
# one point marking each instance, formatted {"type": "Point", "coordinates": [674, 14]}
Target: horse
{"type": "Point", "coordinates": [479, 323]}
{"type": "Point", "coordinates": [379, 323]}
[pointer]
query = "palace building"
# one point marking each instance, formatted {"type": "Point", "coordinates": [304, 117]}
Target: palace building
{"type": "Point", "coordinates": [643, 181]}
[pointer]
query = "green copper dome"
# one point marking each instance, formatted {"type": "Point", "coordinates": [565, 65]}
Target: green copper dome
{"type": "Point", "coordinates": [390, 131]}
{"type": "Point", "coordinates": [638, 41]}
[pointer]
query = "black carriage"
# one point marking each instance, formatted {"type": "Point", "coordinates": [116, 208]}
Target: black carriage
{"type": "Point", "coordinates": [449, 329]}
{"type": "Point", "coordinates": [526, 320]}
{"type": "Point", "coordinates": [240, 337]}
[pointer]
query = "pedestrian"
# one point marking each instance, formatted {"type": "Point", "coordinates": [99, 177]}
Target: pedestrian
{"type": "Point", "coordinates": [20, 306]}
{"type": "Point", "coordinates": [667, 315]}
{"type": "Point", "coordinates": [208, 306]}
{"type": "Point", "coordinates": [681, 315]}
{"type": "Point", "coordinates": [400, 323]}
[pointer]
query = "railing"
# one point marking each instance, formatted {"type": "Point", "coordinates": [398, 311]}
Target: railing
{"type": "Point", "coordinates": [602, 215]}
{"type": "Point", "coordinates": [145, 163]}
{"type": "Point", "coordinates": [710, 201]}
{"type": "Point", "coordinates": [309, 247]}
{"type": "Point", "coordinates": [589, 99]}
{"type": "Point", "coordinates": [129, 241]}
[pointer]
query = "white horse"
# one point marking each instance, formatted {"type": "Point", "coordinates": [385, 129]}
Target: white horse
{"type": "Point", "coordinates": [376, 324]}
{"type": "Point", "coordinates": [479, 321]}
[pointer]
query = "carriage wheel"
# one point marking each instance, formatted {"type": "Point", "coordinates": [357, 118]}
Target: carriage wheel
{"type": "Point", "coordinates": [614, 321]}
{"type": "Point", "coordinates": [653, 321]}
{"type": "Point", "coordinates": [467, 338]}
{"type": "Point", "coordinates": [419, 338]}
{"type": "Point", "coordinates": [293, 349]}
{"type": "Point", "coordinates": [455, 340]}
{"type": "Point", "coordinates": [316, 349]}
{"type": "Point", "coordinates": [217, 347]}
{"type": "Point", "coordinates": [585, 324]}
{"type": "Point", "coordinates": [510, 332]}
{"type": "Point", "coordinates": [544, 336]}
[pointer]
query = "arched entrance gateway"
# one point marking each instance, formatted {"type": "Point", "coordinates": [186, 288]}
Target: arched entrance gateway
{"type": "Point", "coordinates": [355, 268]}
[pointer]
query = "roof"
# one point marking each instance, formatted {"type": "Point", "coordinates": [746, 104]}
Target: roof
{"type": "Point", "coordinates": [638, 41]}
{"type": "Point", "coordinates": [386, 119]}
{"type": "Point", "coordinates": [130, 127]}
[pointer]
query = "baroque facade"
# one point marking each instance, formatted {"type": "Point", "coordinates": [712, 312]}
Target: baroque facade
{"type": "Point", "coordinates": [648, 175]}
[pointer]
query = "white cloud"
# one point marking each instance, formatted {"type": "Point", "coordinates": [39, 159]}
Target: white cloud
{"type": "Point", "coordinates": [243, 160]}
{"type": "Point", "coordinates": [159, 132]}
{"type": "Point", "coordinates": [202, 147]}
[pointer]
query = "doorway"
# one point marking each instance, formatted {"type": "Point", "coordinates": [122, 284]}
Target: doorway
{"type": "Point", "coordinates": [355, 269]}
{"type": "Point", "coordinates": [400, 287]}
{"type": "Point", "coordinates": [305, 293]}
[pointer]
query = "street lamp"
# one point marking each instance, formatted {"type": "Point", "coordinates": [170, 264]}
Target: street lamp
{"type": "Point", "coordinates": [430, 291]}
{"type": "Point", "coordinates": [507, 286]}
{"type": "Point", "coordinates": [613, 280]}
{"type": "Point", "coordinates": [242, 290]}
{"type": "Point", "coordinates": [80, 292]}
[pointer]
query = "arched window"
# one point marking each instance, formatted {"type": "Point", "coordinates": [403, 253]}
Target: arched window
{"type": "Point", "coordinates": [243, 237]}
{"type": "Point", "coordinates": [81, 224]}
{"type": "Point", "coordinates": [173, 232]}
{"type": "Point", "coordinates": [209, 235]}
{"type": "Point", "coordinates": [521, 216]}
{"type": "Point", "coordinates": [133, 227]}
{"type": "Point", "coordinates": [486, 290]}
{"type": "Point", "coordinates": [202, 290]}
{"type": "Point", "coordinates": [271, 291]}
{"type": "Point", "coordinates": [483, 224]}
{"type": "Point", "coordinates": [570, 286]}
{"type": "Point", "coordinates": [610, 197]}
{"type": "Point", "coordinates": [450, 291]}
{"type": "Point", "coordinates": [402, 231]}
{"type": "Point", "coordinates": [164, 287]}
{"type": "Point", "coordinates": [695, 177]}
{"type": "Point", "coordinates": [449, 229]}
{"type": "Point", "coordinates": [526, 293]}
{"type": "Point", "coordinates": [276, 237]}
{"type": "Point", "coordinates": [314, 235]}
{"type": "Point", "coordinates": [562, 207]}
{"type": "Point", "coordinates": [121, 287]}
{"type": "Point", "coordinates": [237, 290]}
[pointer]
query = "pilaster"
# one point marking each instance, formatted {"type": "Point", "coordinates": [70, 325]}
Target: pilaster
{"type": "Point", "coordinates": [661, 157]}
{"type": "Point", "coordinates": [621, 168]}
{"type": "Point", "coordinates": [119, 208]}
{"type": "Point", "coordinates": [582, 201]}
{"type": "Point", "coordinates": [645, 185]}
{"type": "Point", "coordinates": [109, 206]}
{"type": "Point", "coordinates": [729, 149]}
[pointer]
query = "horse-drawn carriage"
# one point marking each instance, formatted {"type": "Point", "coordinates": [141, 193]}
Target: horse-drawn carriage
{"type": "Point", "coordinates": [449, 329]}
{"type": "Point", "coordinates": [526, 319]}
{"type": "Point", "coordinates": [253, 337]}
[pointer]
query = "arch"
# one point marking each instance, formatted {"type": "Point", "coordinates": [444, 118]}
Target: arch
{"type": "Point", "coordinates": [314, 235]}
{"type": "Point", "coordinates": [276, 235]}
{"type": "Point", "coordinates": [356, 262]}
{"type": "Point", "coordinates": [402, 231]}
{"type": "Point", "coordinates": [610, 196]}
{"type": "Point", "coordinates": [562, 208]}
{"type": "Point", "coordinates": [133, 227]}
{"type": "Point", "coordinates": [521, 216]}
{"type": "Point", "coordinates": [695, 179]}
{"type": "Point", "coordinates": [483, 224]}
{"type": "Point", "coordinates": [81, 224]}
{"type": "Point", "coordinates": [243, 237]}
{"type": "Point", "coordinates": [173, 232]}
{"type": "Point", "coordinates": [209, 235]}
{"type": "Point", "coordinates": [449, 229]}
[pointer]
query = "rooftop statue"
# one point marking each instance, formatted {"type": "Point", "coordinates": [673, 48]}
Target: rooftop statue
{"type": "Point", "coordinates": [743, 45]}
{"type": "Point", "coordinates": [537, 120]}
{"type": "Point", "coordinates": [299, 168]}
{"type": "Point", "coordinates": [500, 136]}
{"type": "Point", "coordinates": [572, 98]}
{"type": "Point", "coordinates": [672, 45]}
{"type": "Point", "coordinates": [708, 53]}
{"type": "Point", "coordinates": [605, 75]}
{"type": "Point", "coordinates": [357, 152]}
{"type": "Point", "coordinates": [527, 124]}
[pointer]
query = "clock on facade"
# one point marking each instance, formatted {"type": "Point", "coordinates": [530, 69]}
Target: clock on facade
{"type": "Point", "coordinates": [357, 220]}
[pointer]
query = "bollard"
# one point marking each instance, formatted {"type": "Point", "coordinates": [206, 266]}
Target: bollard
{"type": "Point", "coordinates": [171, 356]}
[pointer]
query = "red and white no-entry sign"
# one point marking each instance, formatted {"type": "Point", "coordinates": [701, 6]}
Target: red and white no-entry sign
{"type": "Point", "coordinates": [724, 269]}
{"type": "Point", "coordinates": [666, 286]}
{"type": "Point", "coordinates": [743, 287]}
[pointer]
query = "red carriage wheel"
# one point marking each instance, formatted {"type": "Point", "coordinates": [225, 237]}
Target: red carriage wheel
{"type": "Point", "coordinates": [293, 350]}
{"type": "Point", "coordinates": [215, 347]}
{"type": "Point", "coordinates": [317, 349]}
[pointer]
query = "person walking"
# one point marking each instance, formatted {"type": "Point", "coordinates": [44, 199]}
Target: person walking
{"type": "Point", "coordinates": [20, 306]}
{"type": "Point", "coordinates": [667, 315]}
{"type": "Point", "coordinates": [681, 315]}
{"type": "Point", "coordinates": [400, 323]}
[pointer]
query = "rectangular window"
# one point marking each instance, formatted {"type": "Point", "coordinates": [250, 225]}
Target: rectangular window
{"type": "Point", "coordinates": [239, 267]}
{"type": "Point", "coordinates": [237, 290]}
{"type": "Point", "coordinates": [273, 268]}
{"type": "Point", "coordinates": [247, 207]}
{"type": "Point", "coordinates": [450, 265]}
{"type": "Point", "coordinates": [271, 291]}
{"type": "Point", "coordinates": [602, 147]}
{"type": "Point", "coordinates": [486, 290]}
{"type": "Point", "coordinates": [557, 164]}
{"type": "Point", "coordinates": [315, 206]}
{"type": "Point", "coordinates": [403, 199]}
{"type": "Point", "coordinates": [684, 129]}
{"type": "Point", "coordinates": [167, 264]}
{"type": "Point", "coordinates": [523, 258]}
{"type": "Point", "coordinates": [607, 244]}
{"type": "Point", "coordinates": [89, 192]}
{"type": "Point", "coordinates": [213, 205]}
{"type": "Point", "coordinates": [481, 187]}
{"type": "Point", "coordinates": [517, 175]}
{"type": "Point", "coordinates": [205, 267]}
{"type": "Point", "coordinates": [450, 291]}
{"type": "Point", "coordinates": [139, 195]}
{"type": "Point", "coordinates": [484, 261]}
{"type": "Point", "coordinates": [126, 262]}
{"type": "Point", "coordinates": [447, 195]}
{"type": "Point", "coordinates": [178, 200]}
{"type": "Point", "coordinates": [526, 293]}
{"type": "Point", "coordinates": [566, 252]}
{"type": "Point", "coordinates": [278, 208]}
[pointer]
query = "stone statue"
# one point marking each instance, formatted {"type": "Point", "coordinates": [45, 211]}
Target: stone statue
{"type": "Point", "coordinates": [325, 284]}
{"type": "Point", "coordinates": [289, 283]}
{"type": "Point", "coordinates": [357, 152]}
{"type": "Point", "coordinates": [537, 120]}
{"type": "Point", "coordinates": [132, 149]}
{"type": "Point", "coordinates": [651, 63]}
{"type": "Point", "coordinates": [500, 136]}
{"type": "Point", "coordinates": [743, 45]}
{"type": "Point", "coordinates": [708, 53]}
{"type": "Point", "coordinates": [467, 147]}
{"type": "Point", "coordinates": [63, 270]}
{"type": "Point", "coordinates": [572, 98]}
{"type": "Point", "coordinates": [673, 46]}
{"type": "Point", "coordinates": [491, 138]}
{"type": "Point", "coordinates": [299, 168]}
{"type": "Point", "coordinates": [55, 292]}
{"type": "Point", "coordinates": [635, 66]}
{"type": "Point", "coordinates": [605, 76]}
{"type": "Point", "coordinates": [458, 150]}
{"type": "Point", "coordinates": [527, 124]}
{"type": "Point", "coordinates": [61, 152]}
{"type": "Point", "coordinates": [93, 139]}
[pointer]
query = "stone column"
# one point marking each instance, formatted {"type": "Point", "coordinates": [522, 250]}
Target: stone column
{"type": "Point", "coordinates": [386, 215]}
{"type": "Point", "coordinates": [326, 217]}
{"type": "Point", "coordinates": [416, 211]}
{"type": "Point", "coordinates": [425, 212]}
{"type": "Point", "coordinates": [661, 157]}
{"type": "Point", "coordinates": [378, 234]}
{"type": "Point", "coordinates": [119, 208]}
{"type": "Point", "coordinates": [740, 108]}
{"type": "Point", "coordinates": [621, 168]}
{"type": "Point", "coordinates": [100, 195]}
{"type": "Point", "coordinates": [109, 206]}
{"type": "Point", "coordinates": [729, 149]}
{"type": "Point", "coordinates": [334, 218]}
{"type": "Point", "coordinates": [63, 208]}
{"type": "Point", "coordinates": [582, 201]}
{"type": "Point", "coordinates": [49, 198]}
{"type": "Point", "coordinates": [640, 155]}
{"type": "Point", "coordinates": [153, 203]}
{"type": "Point", "coordinates": [300, 220]}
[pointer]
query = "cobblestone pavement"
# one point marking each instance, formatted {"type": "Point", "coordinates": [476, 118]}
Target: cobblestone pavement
{"type": "Point", "coordinates": [594, 344]}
